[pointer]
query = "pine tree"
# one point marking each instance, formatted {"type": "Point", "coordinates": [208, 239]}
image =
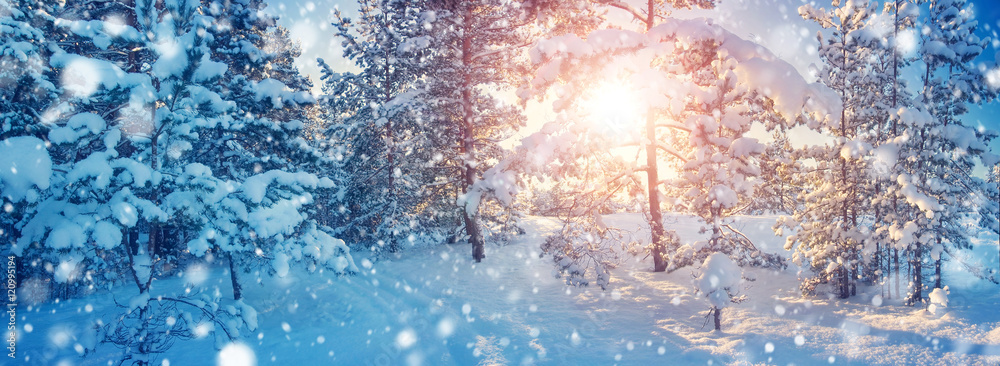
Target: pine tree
{"type": "Point", "coordinates": [648, 17]}
{"type": "Point", "coordinates": [388, 151]}
{"type": "Point", "coordinates": [476, 42]}
{"type": "Point", "coordinates": [943, 150]}
{"type": "Point", "coordinates": [479, 48]}
{"type": "Point", "coordinates": [780, 178]}
{"type": "Point", "coordinates": [830, 232]}
{"type": "Point", "coordinates": [25, 77]}
{"type": "Point", "coordinates": [134, 175]}
{"type": "Point", "coordinates": [721, 167]}
{"type": "Point", "coordinates": [272, 102]}
{"type": "Point", "coordinates": [892, 51]}
{"type": "Point", "coordinates": [27, 91]}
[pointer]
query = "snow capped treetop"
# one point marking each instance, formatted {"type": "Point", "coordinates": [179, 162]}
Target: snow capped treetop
{"type": "Point", "coordinates": [255, 187]}
{"type": "Point", "coordinates": [82, 76]}
{"type": "Point", "coordinates": [79, 125]}
{"type": "Point", "coordinates": [102, 32]}
{"type": "Point", "coordinates": [719, 275]}
{"type": "Point", "coordinates": [279, 94]}
{"type": "Point", "coordinates": [938, 301]}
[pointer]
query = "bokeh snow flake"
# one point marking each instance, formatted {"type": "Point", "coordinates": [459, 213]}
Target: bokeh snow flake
{"type": "Point", "coordinates": [406, 338]}
{"type": "Point", "coordinates": [236, 354]}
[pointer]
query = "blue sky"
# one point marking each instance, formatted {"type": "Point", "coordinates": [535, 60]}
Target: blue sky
{"type": "Point", "coordinates": [772, 23]}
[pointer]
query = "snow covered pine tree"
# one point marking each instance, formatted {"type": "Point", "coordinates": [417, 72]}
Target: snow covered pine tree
{"type": "Point", "coordinates": [131, 177]}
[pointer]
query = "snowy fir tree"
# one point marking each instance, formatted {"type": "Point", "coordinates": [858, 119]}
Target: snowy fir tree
{"type": "Point", "coordinates": [888, 142]}
{"type": "Point", "coordinates": [617, 176]}
{"type": "Point", "coordinates": [831, 231]}
{"type": "Point", "coordinates": [27, 92]}
{"type": "Point", "coordinates": [780, 178]}
{"type": "Point", "coordinates": [139, 178]}
{"type": "Point", "coordinates": [720, 168]}
{"type": "Point", "coordinates": [477, 45]}
{"type": "Point", "coordinates": [26, 79]}
{"type": "Point", "coordinates": [387, 150]}
{"type": "Point", "coordinates": [893, 47]}
{"type": "Point", "coordinates": [940, 170]}
{"type": "Point", "coordinates": [273, 105]}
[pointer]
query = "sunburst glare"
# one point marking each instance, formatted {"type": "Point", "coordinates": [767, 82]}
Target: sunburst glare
{"type": "Point", "coordinates": [614, 107]}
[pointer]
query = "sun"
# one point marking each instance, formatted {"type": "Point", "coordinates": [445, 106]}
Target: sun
{"type": "Point", "coordinates": [613, 107]}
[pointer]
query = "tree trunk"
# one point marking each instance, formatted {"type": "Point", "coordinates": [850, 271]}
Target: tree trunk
{"type": "Point", "coordinates": [717, 312]}
{"type": "Point", "coordinates": [937, 267]}
{"type": "Point", "coordinates": [937, 273]}
{"type": "Point", "coordinates": [468, 143]}
{"type": "Point", "coordinates": [878, 277]}
{"type": "Point", "coordinates": [854, 280]}
{"type": "Point", "coordinates": [655, 217]}
{"type": "Point", "coordinates": [845, 273]}
{"type": "Point", "coordinates": [233, 276]}
{"type": "Point", "coordinates": [895, 262]}
{"type": "Point", "coordinates": [652, 174]}
{"type": "Point", "coordinates": [845, 249]}
{"type": "Point", "coordinates": [918, 280]}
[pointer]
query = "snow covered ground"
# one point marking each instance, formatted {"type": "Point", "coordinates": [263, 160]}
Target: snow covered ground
{"type": "Point", "coordinates": [433, 306]}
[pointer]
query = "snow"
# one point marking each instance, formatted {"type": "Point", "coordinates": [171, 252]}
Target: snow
{"type": "Point", "coordinates": [904, 236]}
{"type": "Point", "coordinates": [138, 301]}
{"type": "Point", "coordinates": [280, 264]}
{"type": "Point", "coordinates": [435, 305]}
{"type": "Point", "coordinates": [255, 187]}
{"type": "Point", "coordinates": [283, 217]}
{"type": "Point", "coordinates": [938, 299]}
{"type": "Point", "coordinates": [723, 196]}
{"type": "Point", "coordinates": [745, 147]}
{"type": "Point", "coordinates": [102, 32]}
{"type": "Point", "coordinates": [208, 69]}
{"type": "Point", "coordinates": [139, 174]}
{"type": "Point", "coordinates": [172, 52]}
{"type": "Point", "coordinates": [95, 166]}
{"type": "Point", "coordinates": [106, 235]}
{"type": "Point", "coordinates": [917, 198]}
{"type": "Point", "coordinates": [66, 270]}
{"type": "Point", "coordinates": [83, 76]}
{"type": "Point", "coordinates": [66, 234]}
{"type": "Point", "coordinates": [279, 94]}
{"type": "Point", "coordinates": [854, 149]}
{"type": "Point", "coordinates": [718, 275]}
{"type": "Point", "coordinates": [963, 137]}
{"type": "Point", "coordinates": [76, 127]}
{"type": "Point", "coordinates": [203, 96]}
{"type": "Point", "coordinates": [24, 165]}
{"type": "Point", "coordinates": [125, 213]}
